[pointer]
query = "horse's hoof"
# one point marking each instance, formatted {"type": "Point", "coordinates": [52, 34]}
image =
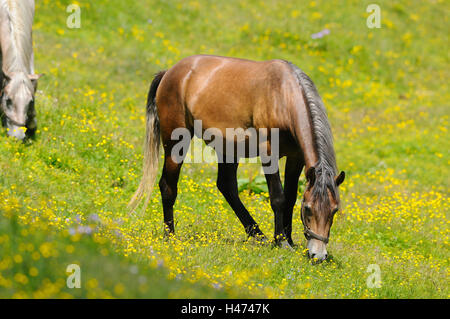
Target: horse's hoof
{"type": "Point", "coordinates": [286, 245]}
{"type": "Point", "coordinates": [258, 239]}
{"type": "Point", "coordinates": [283, 244]}
{"type": "Point", "coordinates": [263, 241]}
{"type": "Point", "coordinates": [168, 234]}
{"type": "Point", "coordinates": [292, 244]}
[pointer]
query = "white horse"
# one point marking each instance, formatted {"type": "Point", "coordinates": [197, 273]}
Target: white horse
{"type": "Point", "coordinates": [18, 82]}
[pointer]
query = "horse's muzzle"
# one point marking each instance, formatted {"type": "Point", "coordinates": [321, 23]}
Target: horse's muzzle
{"type": "Point", "coordinates": [317, 250]}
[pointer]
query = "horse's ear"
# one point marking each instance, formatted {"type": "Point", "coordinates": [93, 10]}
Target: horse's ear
{"type": "Point", "coordinates": [34, 79]}
{"type": "Point", "coordinates": [311, 175]}
{"type": "Point", "coordinates": [340, 178]}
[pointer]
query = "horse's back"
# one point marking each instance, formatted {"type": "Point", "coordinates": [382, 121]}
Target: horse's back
{"type": "Point", "coordinates": [228, 92]}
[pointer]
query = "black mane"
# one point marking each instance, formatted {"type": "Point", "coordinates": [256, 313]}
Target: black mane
{"type": "Point", "coordinates": [325, 168]}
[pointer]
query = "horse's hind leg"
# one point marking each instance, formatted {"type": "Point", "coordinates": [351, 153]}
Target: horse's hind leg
{"type": "Point", "coordinates": [292, 172]}
{"type": "Point", "coordinates": [171, 115]}
{"type": "Point", "coordinates": [227, 185]}
{"type": "Point", "coordinates": [168, 185]}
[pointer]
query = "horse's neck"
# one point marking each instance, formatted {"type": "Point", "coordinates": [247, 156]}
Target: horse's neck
{"type": "Point", "coordinates": [303, 131]}
{"type": "Point", "coordinates": [16, 49]}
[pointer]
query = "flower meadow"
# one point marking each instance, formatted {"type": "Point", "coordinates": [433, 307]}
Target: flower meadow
{"type": "Point", "coordinates": [63, 196]}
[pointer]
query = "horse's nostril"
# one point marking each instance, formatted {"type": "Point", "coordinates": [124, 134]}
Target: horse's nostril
{"type": "Point", "coordinates": [312, 255]}
{"type": "Point", "coordinates": [326, 256]}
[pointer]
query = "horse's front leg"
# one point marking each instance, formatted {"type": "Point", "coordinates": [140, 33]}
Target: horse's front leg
{"type": "Point", "coordinates": [278, 204]}
{"type": "Point", "coordinates": [293, 169]}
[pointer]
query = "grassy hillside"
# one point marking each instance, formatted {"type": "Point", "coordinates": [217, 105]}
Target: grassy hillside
{"type": "Point", "coordinates": [387, 96]}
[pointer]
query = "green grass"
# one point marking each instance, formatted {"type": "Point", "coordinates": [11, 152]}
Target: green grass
{"type": "Point", "coordinates": [386, 93]}
{"type": "Point", "coordinates": [34, 262]}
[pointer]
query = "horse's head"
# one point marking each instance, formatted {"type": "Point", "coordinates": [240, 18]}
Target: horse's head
{"type": "Point", "coordinates": [320, 204]}
{"type": "Point", "coordinates": [17, 103]}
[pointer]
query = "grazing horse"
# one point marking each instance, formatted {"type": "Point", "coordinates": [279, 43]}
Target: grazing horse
{"type": "Point", "coordinates": [18, 82]}
{"type": "Point", "coordinates": [226, 92]}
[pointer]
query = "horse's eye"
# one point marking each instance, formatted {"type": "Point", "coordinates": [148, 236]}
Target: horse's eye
{"type": "Point", "coordinates": [8, 102]}
{"type": "Point", "coordinates": [308, 210]}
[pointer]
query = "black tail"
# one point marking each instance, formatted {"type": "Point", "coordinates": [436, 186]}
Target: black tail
{"type": "Point", "coordinates": [151, 105]}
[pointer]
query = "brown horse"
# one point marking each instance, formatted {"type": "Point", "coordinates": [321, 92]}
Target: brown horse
{"type": "Point", "coordinates": [225, 93]}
